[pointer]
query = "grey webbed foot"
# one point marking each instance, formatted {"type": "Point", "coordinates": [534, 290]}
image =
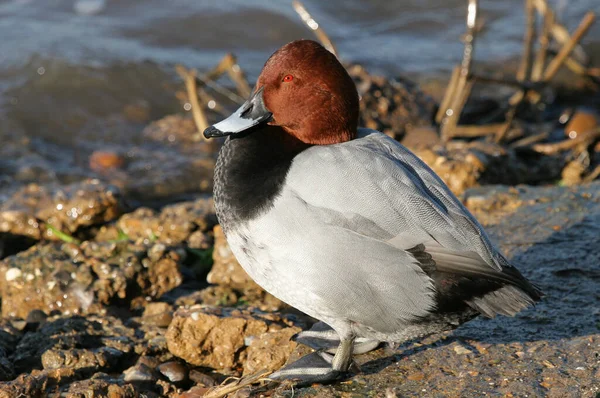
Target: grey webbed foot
{"type": "Point", "coordinates": [320, 367]}
{"type": "Point", "coordinates": [323, 337]}
{"type": "Point", "coordinates": [312, 368]}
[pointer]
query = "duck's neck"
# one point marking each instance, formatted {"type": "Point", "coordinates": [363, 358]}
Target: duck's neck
{"type": "Point", "coordinates": [250, 173]}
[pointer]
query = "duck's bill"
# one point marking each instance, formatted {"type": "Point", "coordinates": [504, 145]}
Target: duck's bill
{"type": "Point", "coordinates": [251, 114]}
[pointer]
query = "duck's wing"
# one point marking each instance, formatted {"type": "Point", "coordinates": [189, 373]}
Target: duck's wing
{"type": "Point", "coordinates": [376, 187]}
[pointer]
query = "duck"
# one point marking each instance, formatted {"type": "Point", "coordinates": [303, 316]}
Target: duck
{"type": "Point", "coordinates": [344, 223]}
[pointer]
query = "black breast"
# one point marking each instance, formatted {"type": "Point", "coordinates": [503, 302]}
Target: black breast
{"type": "Point", "coordinates": [250, 173]}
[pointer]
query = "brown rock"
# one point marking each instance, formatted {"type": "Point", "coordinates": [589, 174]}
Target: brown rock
{"type": "Point", "coordinates": [217, 337]}
{"type": "Point", "coordinates": [271, 350]}
{"type": "Point", "coordinates": [102, 358]}
{"type": "Point", "coordinates": [157, 314]}
{"type": "Point", "coordinates": [76, 343]}
{"type": "Point", "coordinates": [173, 225]}
{"type": "Point", "coordinates": [226, 270]}
{"type": "Point", "coordinates": [84, 278]}
{"type": "Point", "coordinates": [202, 378]}
{"type": "Point", "coordinates": [36, 383]}
{"type": "Point", "coordinates": [66, 208]}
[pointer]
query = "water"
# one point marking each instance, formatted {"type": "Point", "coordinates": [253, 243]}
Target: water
{"type": "Point", "coordinates": [68, 68]}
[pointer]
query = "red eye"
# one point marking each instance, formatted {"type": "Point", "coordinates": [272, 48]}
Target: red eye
{"type": "Point", "coordinates": [288, 78]}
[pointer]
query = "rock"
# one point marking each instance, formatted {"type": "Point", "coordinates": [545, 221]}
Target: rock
{"type": "Point", "coordinates": [202, 378]}
{"type": "Point", "coordinates": [66, 208]}
{"type": "Point", "coordinates": [35, 384]}
{"type": "Point", "coordinates": [174, 371]}
{"type": "Point", "coordinates": [158, 314]}
{"type": "Point", "coordinates": [216, 337]}
{"type": "Point", "coordinates": [7, 343]}
{"type": "Point", "coordinates": [101, 388]}
{"type": "Point", "coordinates": [270, 350]}
{"type": "Point", "coordinates": [58, 344]}
{"type": "Point", "coordinates": [226, 270]}
{"type": "Point", "coordinates": [56, 277]}
{"type": "Point", "coordinates": [91, 360]}
{"type": "Point", "coordinates": [171, 129]}
{"type": "Point", "coordinates": [175, 224]}
{"type": "Point", "coordinates": [140, 373]}
{"type": "Point", "coordinates": [391, 106]}
{"type": "Point", "coordinates": [234, 286]}
{"type": "Point", "coordinates": [465, 165]}
{"type": "Point", "coordinates": [462, 350]}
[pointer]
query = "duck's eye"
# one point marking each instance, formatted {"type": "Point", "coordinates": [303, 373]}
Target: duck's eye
{"type": "Point", "coordinates": [288, 78]}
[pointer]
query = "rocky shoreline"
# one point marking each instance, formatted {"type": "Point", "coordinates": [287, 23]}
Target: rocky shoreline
{"type": "Point", "coordinates": [123, 285]}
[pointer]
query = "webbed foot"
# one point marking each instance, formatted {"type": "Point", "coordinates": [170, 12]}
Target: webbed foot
{"type": "Point", "coordinates": [312, 368]}
{"type": "Point", "coordinates": [322, 337]}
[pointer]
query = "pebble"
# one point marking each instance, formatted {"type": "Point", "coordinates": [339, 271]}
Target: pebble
{"type": "Point", "coordinates": [202, 378]}
{"type": "Point", "coordinates": [139, 372]}
{"type": "Point", "coordinates": [157, 314]}
{"type": "Point", "coordinates": [174, 371]}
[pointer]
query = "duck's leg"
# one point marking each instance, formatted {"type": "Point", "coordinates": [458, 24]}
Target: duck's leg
{"type": "Point", "coordinates": [319, 367]}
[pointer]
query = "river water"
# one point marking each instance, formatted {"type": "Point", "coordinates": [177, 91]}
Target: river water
{"type": "Point", "coordinates": [68, 68]}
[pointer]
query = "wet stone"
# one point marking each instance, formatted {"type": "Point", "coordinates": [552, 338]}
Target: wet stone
{"type": "Point", "coordinates": [202, 378]}
{"type": "Point", "coordinates": [140, 373]}
{"type": "Point", "coordinates": [174, 371]}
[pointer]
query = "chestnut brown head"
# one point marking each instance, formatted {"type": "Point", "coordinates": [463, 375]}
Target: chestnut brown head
{"type": "Point", "coordinates": [303, 89]}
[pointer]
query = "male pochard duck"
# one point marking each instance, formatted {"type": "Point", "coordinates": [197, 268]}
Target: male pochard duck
{"type": "Point", "coordinates": [346, 224]}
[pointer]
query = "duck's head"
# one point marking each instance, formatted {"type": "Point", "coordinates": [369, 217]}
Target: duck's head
{"type": "Point", "coordinates": [304, 90]}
